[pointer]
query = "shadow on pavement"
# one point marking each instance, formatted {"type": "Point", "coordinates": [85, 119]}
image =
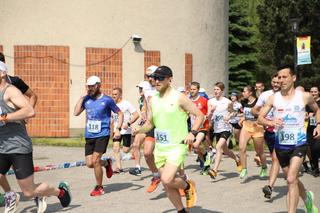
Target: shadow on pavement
{"type": "Point", "coordinates": [298, 211]}
{"type": "Point", "coordinates": [195, 209]}
{"type": "Point", "coordinates": [51, 208]}
{"type": "Point", "coordinates": [160, 196]}
{"type": "Point", "coordinates": [115, 187]}
{"type": "Point", "coordinates": [279, 192]}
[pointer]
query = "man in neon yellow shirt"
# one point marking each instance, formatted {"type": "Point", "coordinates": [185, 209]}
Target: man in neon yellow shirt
{"type": "Point", "coordinates": [168, 112]}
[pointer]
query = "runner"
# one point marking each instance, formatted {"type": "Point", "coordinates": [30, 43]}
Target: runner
{"type": "Point", "coordinates": [27, 91]}
{"type": "Point", "coordinates": [235, 109]}
{"type": "Point", "coordinates": [290, 144]}
{"type": "Point", "coordinates": [259, 88]}
{"type": "Point", "coordinates": [168, 114]}
{"type": "Point", "coordinates": [130, 115]}
{"type": "Point", "coordinates": [199, 145]}
{"type": "Point", "coordinates": [16, 147]}
{"type": "Point", "coordinates": [148, 138]}
{"type": "Point", "coordinates": [251, 130]}
{"type": "Point", "coordinates": [97, 132]}
{"type": "Point", "coordinates": [313, 143]}
{"type": "Point", "coordinates": [269, 135]}
{"type": "Point", "coordinates": [218, 112]}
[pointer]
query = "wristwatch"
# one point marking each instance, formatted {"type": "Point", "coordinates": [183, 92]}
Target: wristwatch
{"type": "Point", "coordinates": [194, 132]}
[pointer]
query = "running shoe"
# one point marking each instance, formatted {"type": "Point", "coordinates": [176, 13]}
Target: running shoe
{"type": "Point", "coordinates": [135, 171]}
{"type": "Point", "coordinates": [108, 167]}
{"type": "Point", "coordinates": [11, 202]}
{"type": "Point", "coordinates": [97, 191]}
{"type": "Point", "coordinates": [306, 168]}
{"type": "Point", "coordinates": [154, 184]}
{"type": "Point", "coordinates": [213, 173]}
{"type": "Point", "coordinates": [309, 203]}
{"type": "Point", "coordinates": [65, 194]}
{"type": "Point", "coordinates": [207, 159]}
{"type": "Point", "coordinates": [191, 194]}
{"type": "Point", "coordinates": [41, 204]}
{"type": "Point", "coordinates": [239, 166]}
{"type": "Point", "coordinates": [205, 170]}
{"type": "Point", "coordinates": [118, 171]}
{"type": "Point", "coordinates": [244, 174]}
{"type": "Point", "coordinates": [263, 172]}
{"type": "Point", "coordinates": [267, 190]}
{"type": "Point", "coordinates": [316, 172]}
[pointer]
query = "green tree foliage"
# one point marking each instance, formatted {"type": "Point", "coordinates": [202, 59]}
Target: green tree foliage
{"type": "Point", "coordinates": [276, 37]}
{"type": "Point", "coordinates": [242, 52]}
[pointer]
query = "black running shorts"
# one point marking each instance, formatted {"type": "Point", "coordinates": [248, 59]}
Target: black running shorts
{"type": "Point", "coordinates": [96, 145]}
{"type": "Point", "coordinates": [126, 140]}
{"type": "Point", "coordinates": [22, 164]}
{"type": "Point", "coordinates": [224, 134]}
{"type": "Point", "coordinates": [284, 156]}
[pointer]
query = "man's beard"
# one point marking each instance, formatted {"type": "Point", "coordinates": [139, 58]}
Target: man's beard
{"type": "Point", "coordinates": [95, 94]}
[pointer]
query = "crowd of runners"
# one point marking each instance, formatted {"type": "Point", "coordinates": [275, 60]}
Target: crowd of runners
{"type": "Point", "coordinates": [169, 124]}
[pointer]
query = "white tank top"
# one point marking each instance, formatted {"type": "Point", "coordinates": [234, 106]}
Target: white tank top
{"type": "Point", "coordinates": [292, 112]}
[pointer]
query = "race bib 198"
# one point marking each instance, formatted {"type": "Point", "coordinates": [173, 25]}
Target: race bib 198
{"type": "Point", "coordinates": [288, 137]}
{"type": "Point", "coordinates": [94, 126]}
{"type": "Point", "coordinates": [161, 137]}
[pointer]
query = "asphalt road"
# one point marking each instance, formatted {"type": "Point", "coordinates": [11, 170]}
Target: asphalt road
{"type": "Point", "coordinates": [127, 193]}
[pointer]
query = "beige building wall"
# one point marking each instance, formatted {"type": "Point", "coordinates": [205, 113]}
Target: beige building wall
{"type": "Point", "coordinates": [173, 27]}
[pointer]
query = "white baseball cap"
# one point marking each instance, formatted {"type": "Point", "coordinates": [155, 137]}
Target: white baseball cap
{"type": "Point", "coordinates": [3, 67]}
{"type": "Point", "coordinates": [150, 70]}
{"type": "Point", "coordinates": [144, 85]}
{"type": "Point", "coordinates": [202, 90]}
{"type": "Point", "coordinates": [92, 80]}
{"type": "Point", "coordinates": [181, 89]}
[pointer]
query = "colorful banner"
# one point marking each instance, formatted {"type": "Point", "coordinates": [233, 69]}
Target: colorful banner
{"type": "Point", "coordinates": [303, 50]}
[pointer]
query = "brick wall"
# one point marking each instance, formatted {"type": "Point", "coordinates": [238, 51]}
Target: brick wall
{"type": "Point", "coordinates": [151, 58]}
{"type": "Point", "coordinates": [188, 69]}
{"type": "Point", "coordinates": [45, 70]}
{"type": "Point", "coordinates": [109, 69]}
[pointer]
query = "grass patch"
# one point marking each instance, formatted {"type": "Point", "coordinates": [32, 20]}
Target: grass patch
{"type": "Point", "coordinates": [68, 142]}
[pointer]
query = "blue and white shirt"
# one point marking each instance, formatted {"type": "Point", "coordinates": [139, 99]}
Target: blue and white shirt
{"type": "Point", "coordinates": [98, 115]}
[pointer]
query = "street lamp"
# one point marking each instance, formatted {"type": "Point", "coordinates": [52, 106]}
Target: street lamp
{"type": "Point", "coordinates": [295, 29]}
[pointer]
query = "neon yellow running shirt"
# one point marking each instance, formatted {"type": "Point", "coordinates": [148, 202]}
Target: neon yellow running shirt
{"type": "Point", "coordinates": [169, 119]}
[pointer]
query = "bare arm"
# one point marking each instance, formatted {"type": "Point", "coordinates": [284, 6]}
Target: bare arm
{"type": "Point", "coordinates": [190, 107]}
{"type": "Point", "coordinates": [14, 98]}
{"type": "Point", "coordinates": [33, 97]}
{"type": "Point", "coordinates": [148, 125]}
{"type": "Point", "coordinates": [313, 105]}
{"type": "Point", "coordinates": [255, 110]}
{"type": "Point", "coordinates": [78, 109]}
{"type": "Point", "coordinates": [264, 111]}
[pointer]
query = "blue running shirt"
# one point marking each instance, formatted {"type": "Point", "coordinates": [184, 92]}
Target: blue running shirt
{"type": "Point", "coordinates": [98, 115]}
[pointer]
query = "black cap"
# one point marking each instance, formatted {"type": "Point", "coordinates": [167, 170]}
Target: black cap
{"type": "Point", "coordinates": [163, 71]}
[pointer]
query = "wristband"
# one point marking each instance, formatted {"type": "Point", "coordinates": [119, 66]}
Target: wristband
{"type": "Point", "coordinates": [194, 132]}
{"type": "Point", "coordinates": [317, 123]}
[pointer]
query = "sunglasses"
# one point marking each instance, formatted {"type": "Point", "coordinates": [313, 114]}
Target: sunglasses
{"type": "Point", "coordinates": [159, 78]}
{"type": "Point", "coordinates": [150, 76]}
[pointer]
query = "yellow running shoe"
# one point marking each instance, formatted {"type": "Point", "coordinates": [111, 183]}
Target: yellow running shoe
{"type": "Point", "coordinates": [239, 166]}
{"type": "Point", "coordinates": [191, 194]}
{"type": "Point", "coordinates": [213, 173]}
